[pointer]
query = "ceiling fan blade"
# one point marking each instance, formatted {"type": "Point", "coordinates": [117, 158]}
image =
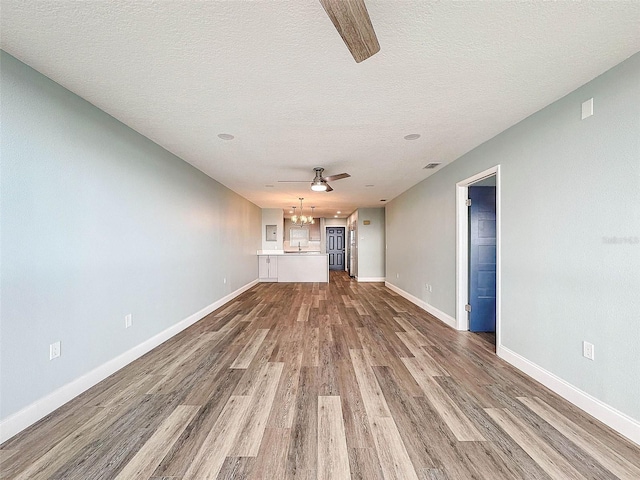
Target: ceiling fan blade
{"type": "Point", "coordinates": [351, 19]}
{"type": "Point", "coordinates": [339, 176]}
{"type": "Point", "coordinates": [329, 189]}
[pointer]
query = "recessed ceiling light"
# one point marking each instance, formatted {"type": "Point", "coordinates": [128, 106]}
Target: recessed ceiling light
{"type": "Point", "coordinates": [412, 136]}
{"type": "Point", "coordinates": [290, 211]}
{"type": "Point", "coordinates": [370, 185]}
{"type": "Point", "coordinates": [226, 136]}
{"type": "Point", "coordinates": [335, 216]}
{"type": "Point", "coordinates": [338, 211]}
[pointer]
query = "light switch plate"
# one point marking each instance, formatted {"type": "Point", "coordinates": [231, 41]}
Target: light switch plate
{"type": "Point", "coordinates": [54, 350]}
{"type": "Point", "coordinates": [587, 350]}
{"type": "Point", "coordinates": [587, 108]}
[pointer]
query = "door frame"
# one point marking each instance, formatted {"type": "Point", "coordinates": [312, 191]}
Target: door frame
{"type": "Point", "coordinates": [462, 249]}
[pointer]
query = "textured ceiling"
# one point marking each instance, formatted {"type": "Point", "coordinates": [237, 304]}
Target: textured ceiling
{"type": "Point", "coordinates": [277, 76]}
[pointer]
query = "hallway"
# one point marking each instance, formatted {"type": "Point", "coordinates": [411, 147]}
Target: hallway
{"type": "Point", "coordinates": [327, 381]}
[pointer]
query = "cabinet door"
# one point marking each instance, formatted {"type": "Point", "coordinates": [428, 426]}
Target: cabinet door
{"type": "Point", "coordinates": [273, 267]}
{"type": "Point", "coordinates": [263, 266]}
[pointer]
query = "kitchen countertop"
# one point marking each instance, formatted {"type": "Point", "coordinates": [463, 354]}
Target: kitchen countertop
{"type": "Point", "coordinates": [292, 252]}
{"type": "Point", "coordinates": [303, 266]}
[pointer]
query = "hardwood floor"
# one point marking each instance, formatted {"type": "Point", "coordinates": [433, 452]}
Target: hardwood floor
{"type": "Point", "coordinates": [319, 381]}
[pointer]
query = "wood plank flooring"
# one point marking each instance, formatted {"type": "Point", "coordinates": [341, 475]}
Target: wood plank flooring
{"type": "Point", "coordinates": [319, 381]}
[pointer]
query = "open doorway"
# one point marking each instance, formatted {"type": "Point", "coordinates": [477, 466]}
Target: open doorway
{"type": "Point", "coordinates": [478, 255]}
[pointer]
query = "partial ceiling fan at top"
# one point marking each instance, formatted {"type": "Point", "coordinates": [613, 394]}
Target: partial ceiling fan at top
{"type": "Point", "coordinates": [319, 183]}
{"type": "Point", "coordinates": [351, 19]}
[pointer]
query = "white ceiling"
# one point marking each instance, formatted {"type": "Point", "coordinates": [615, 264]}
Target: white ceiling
{"type": "Point", "coordinates": [277, 76]}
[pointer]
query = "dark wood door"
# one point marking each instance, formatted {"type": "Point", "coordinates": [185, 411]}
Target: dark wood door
{"type": "Point", "coordinates": [482, 259]}
{"type": "Point", "coordinates": [335, 247]}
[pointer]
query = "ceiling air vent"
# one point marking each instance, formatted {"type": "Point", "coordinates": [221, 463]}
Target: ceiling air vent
{"type": "Point", "coordinates": [431, 165]}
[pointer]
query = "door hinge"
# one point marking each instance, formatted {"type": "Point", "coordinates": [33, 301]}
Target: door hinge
{"type": "Point", "coordinates": [467, 307]}
{"type": "Point", "coordinates": [468, 202]}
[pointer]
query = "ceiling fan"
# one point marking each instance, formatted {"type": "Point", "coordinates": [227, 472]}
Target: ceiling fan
{"type": "Point", "coordinates": [351, 19]}
{"type": "Point", "coordinates": [319, 183]}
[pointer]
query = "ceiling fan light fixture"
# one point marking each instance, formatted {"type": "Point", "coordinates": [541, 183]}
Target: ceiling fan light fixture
{"type": "Point", "coordinates": [319, 186]}
{"type": "Point", "coordinates": [320, 183]}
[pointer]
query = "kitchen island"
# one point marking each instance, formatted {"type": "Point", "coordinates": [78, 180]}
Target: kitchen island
{"type": "Point", "coordinates": [296, 266]}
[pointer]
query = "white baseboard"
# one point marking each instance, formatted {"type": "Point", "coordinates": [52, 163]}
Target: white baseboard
{"type": "Point", "coordinates": [370, 279]}
{"type": "Point", "coordinates": [615, 419]}
{"type": "Point", "coordinates": [439, 314]}
{"type": "Point", "coordinates": [30, 414]}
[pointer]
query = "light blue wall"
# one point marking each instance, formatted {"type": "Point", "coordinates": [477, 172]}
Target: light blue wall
{"type": "Point", "coordinates": [98, 222]}
{"type": "Point", "coordinates": [569, 187]}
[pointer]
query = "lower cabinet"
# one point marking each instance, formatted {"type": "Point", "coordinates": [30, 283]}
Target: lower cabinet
{"type": "Point", "coordinates": [268, 268]}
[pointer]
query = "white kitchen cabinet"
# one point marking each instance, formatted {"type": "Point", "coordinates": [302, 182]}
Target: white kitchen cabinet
{"type": "Point", "coordinates": [268, 268]}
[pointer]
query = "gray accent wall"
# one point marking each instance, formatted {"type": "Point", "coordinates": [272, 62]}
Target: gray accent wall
{"type": "Point", "coordinates": [98, 222]}
{"type": "Point", "coordinates": [570, 236]}
{"type": "Point", "coordinates": [369, 250]}
{"type": "Point", "coordinates": [371, 243]}
{"type": "Point", "coordinates": [272, 216]}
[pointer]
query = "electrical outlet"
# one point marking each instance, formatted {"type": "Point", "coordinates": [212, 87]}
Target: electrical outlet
{"type": "Point", "coordinates": [397, 275]}
{"type": "Point", "coordinates": [54, 350]}
{"type": "Point", "coordinates": [587, 350]}
{"type": "Point", "coordinates": [430, 288]}
{"type": "Point", "coordinates": [127, 321]}
{"type": "Point", "coordinates": [224, 280]}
